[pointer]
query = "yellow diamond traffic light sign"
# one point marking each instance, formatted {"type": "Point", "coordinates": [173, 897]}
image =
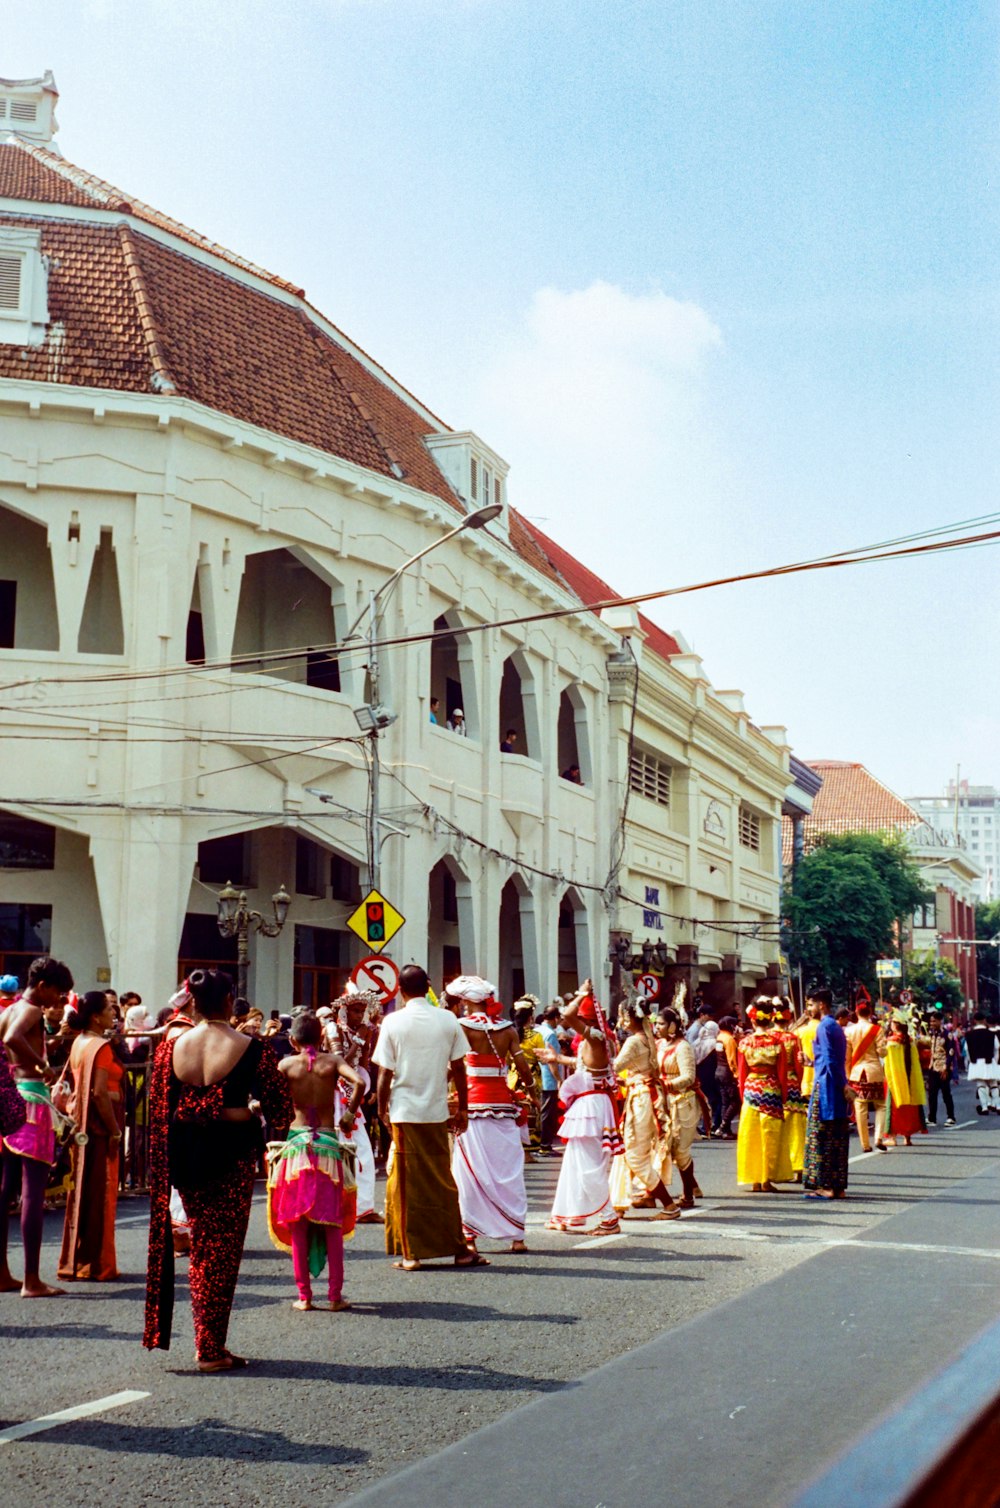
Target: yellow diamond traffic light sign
{"type": "Point", "coordinates": [376, 921]}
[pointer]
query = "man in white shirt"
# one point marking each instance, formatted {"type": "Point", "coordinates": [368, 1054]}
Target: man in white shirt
{"type": "Point", "coordinates": [418, 1047]}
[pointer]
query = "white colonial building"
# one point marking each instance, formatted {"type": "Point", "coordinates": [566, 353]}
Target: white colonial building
{"type": "Point", "coordinates": [202, 482]}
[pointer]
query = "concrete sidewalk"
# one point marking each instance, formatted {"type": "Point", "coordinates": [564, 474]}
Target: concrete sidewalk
{"type": "Point", "coordinates": [746, 1403]}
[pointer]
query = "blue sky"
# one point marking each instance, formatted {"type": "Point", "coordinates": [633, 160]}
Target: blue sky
{"type": "Point", "coordinates": [717, 279]}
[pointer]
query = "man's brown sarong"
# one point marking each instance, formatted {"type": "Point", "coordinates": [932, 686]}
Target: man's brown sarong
{"type": "Point", "coordinates": [422, 1217]}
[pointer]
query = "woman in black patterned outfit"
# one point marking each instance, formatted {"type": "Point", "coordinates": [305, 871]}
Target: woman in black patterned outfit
{"type": "Point", "coordinates": [206, 1142]}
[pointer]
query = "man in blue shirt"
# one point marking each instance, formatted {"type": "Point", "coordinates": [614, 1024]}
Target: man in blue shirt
{"type": "Point", "coordinates": [550, 1080]}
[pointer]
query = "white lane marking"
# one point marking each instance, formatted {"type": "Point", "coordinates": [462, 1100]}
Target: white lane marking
{"type": "Point", "coordinates": [600, 1241]}
{"type": "Point", "coordinates": [945, 1251]}
{"type": "Point", "coordinates": [800, 1238]}
{"type": "Point", "coordinates": [960, 1127]}
{"type": "Point", "coordinates": [66, 1416]}
{"type": "Point", "coordinates": [863, 1156]}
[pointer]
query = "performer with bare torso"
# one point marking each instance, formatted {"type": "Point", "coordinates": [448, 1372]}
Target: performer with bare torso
{"type": "Point", "coordinates": [29, 1153]}
{"type": "Point", "coordinates": [305, 1185]}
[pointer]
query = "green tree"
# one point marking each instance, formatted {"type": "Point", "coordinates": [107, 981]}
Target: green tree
{"type": "Point", "coordinates": [934, 980]}
{"type": "Point", "coordinates": [841, 918]}
{"type": "Point", "coordinates": [988, 959]}
{"type": "Point", "coordinates": [849, 893]}
{"type": "Point", "coordinates": [891, 860]}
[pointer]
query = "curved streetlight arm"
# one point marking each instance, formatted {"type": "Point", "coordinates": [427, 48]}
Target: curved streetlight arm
{"type": "Point", "coordinates": [476, 520]}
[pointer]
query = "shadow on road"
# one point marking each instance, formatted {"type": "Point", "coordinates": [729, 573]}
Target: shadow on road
{"type": "Point", "coordinates": [458, 1313]}
{"type": "Point", "coordinates": [209, 1439]}
{"type": "Point", "coordinates": [464, 1378]}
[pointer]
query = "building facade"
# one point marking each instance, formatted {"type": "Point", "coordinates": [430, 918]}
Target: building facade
{"type": "Point", "coordinates": [203, 483]}
{"type": "Point", "coordinates": [973, 812]}
{"type": "Point", "coordinates": [851, 799]}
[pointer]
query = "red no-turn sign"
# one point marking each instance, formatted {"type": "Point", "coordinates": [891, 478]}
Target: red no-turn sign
{"type": "Point", "coordinates": [379, 974]}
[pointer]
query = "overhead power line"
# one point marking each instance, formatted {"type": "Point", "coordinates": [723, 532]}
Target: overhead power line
{"type": "Point", "coordinates": [926, 542]}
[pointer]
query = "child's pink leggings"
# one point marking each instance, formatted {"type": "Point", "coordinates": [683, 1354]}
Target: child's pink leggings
{"type": "Point", "coordinates": [334, 1257]}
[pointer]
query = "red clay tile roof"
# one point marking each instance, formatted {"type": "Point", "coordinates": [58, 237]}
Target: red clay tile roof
{"type": "Point", "coordinates": [129, 313]}
{"type": "Point", "coordinates": [590, 588]}
{"type": "Point", "coordinates": [30, 171]}
{"type": "Point", "coordinates": [850, 800]}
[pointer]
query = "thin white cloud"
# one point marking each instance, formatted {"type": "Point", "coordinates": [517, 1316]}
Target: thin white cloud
{"type": "Point", "coordinates": [598, 402]}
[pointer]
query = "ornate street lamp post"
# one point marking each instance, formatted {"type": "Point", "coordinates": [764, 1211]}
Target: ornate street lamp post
{"type": "Point", "coordinates": [236, 920]}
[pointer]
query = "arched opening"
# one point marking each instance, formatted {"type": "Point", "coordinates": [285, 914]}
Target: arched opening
{"type": "Point", "coordinates": [310, 961]}
{"type": "Point", "coordinates": [573, 742]}
{"type": "Point", "coordinates": [451, 944]}
{"type": "Point", "coordinates": [284, 605]}
{"type": "Point", "coordinates": [200, 637]}
{"type": "Point", "coordinates": [518, 713]}
{"type": "Point", "coordinates": [48, 899]}
{"type": "Point", "coordinates": [574, 943]}
{"type": "Point", "coordinates": [27, 586]}
{"type": "Point", "coordinates": [518, 941]}
{"type": "Point", "coordinates": [453, 684]}
{"type": "Point", "coordinates": [102, 631]}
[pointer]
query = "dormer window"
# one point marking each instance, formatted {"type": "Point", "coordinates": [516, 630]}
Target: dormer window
{"type": "Point", "coordinates": [476, 472]}
{"type": "Point", "coordinates": [27, 108]}
{"type": "Point", "coordinates": [24, 302]}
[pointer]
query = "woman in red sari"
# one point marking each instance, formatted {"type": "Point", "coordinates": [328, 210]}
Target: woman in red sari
{"type": "Point", "coordinates": [97, 1109]}
{"type": "Point", "coordinates": [205, 1141]}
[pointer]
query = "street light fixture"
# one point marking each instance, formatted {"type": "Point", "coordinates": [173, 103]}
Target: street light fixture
{"type": "Point", "coordinates": [373, 717]}
{"type": "Point", "coordinates": [236, 919]}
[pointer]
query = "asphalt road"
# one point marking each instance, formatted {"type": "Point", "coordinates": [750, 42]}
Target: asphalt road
{"type": "Point", "coordinates": [335, 1405]}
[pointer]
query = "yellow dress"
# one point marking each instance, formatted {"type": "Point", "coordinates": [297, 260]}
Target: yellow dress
{"type": "Point", "coordinates": [806, 1034]}
{"type": "Point", "coordinates": [762, 1154]}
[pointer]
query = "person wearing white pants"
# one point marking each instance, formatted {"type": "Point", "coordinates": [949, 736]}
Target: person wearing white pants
{"type": "Point", "coordinates": [982, 1043]}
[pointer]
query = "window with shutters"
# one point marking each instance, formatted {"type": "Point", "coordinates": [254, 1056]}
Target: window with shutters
{"type": "Point", "coordinates": [749, 829]}
{"type": "Point", "coordinates": [24, 313]}
{"type": "Point", "coordinates": [10, 282]}
{"type": "Point", "coordinates": [649, 776]}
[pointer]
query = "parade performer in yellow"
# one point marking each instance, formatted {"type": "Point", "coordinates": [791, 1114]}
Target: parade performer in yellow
{"type": "Point", "coordinates": [904, 1082]}
{"type": "Point", "coordinates": [761, 1146]}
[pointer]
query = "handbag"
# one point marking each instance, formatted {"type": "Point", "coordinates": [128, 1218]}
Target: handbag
{"type": "Point", "coordinates": [62, 1091]}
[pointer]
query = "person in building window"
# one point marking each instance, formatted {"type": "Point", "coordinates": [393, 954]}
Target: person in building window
{"type": "Point", "coordinates": [572, 773]}
{"type": "Point", "coordinates": [508, 744]}
{"type": "Point", "coordinates": [456, 723]}
{"type": "Point", "coordinates": [435, 704]}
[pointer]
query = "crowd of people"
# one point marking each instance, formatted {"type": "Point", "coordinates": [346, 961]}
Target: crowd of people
{"type": "Point", "coordinates": [450, 1096]}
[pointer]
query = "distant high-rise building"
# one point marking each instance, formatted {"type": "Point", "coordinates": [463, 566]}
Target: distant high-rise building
{"type": "Point", "coordinates": [973, 811]}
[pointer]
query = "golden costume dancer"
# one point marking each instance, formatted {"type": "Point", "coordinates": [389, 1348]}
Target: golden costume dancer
{"type": "Point", "coordinates": [678, 1073]}
{"type": "Point", "coordinates": [866, 1049]}
{"type": "Point", "coordinates": [646, 1126]}
{"type": "Point", "coordinates": [761, 1147]}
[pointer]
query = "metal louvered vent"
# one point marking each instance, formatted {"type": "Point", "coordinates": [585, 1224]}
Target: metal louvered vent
{"type": "Point", "coordinates": [10, 282]}
{"type": "Point", "coordinates": [649, 776]}
{"type": "Point", "coordinates": [3, 109]}
{"type": "Point", "coordinates": [23, 109]}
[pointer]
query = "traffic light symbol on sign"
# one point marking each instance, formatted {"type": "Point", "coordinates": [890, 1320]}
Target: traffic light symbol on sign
{"type": "Point", "coordinates": [376, 921]}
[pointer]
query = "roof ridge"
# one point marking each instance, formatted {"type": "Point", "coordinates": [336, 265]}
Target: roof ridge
{"type": "Point", "coordinates": [322, 342]}
{"type": "Point", "coordinates": [162, 381]}
{"type": "Point", "coordinates": [106, 196]}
